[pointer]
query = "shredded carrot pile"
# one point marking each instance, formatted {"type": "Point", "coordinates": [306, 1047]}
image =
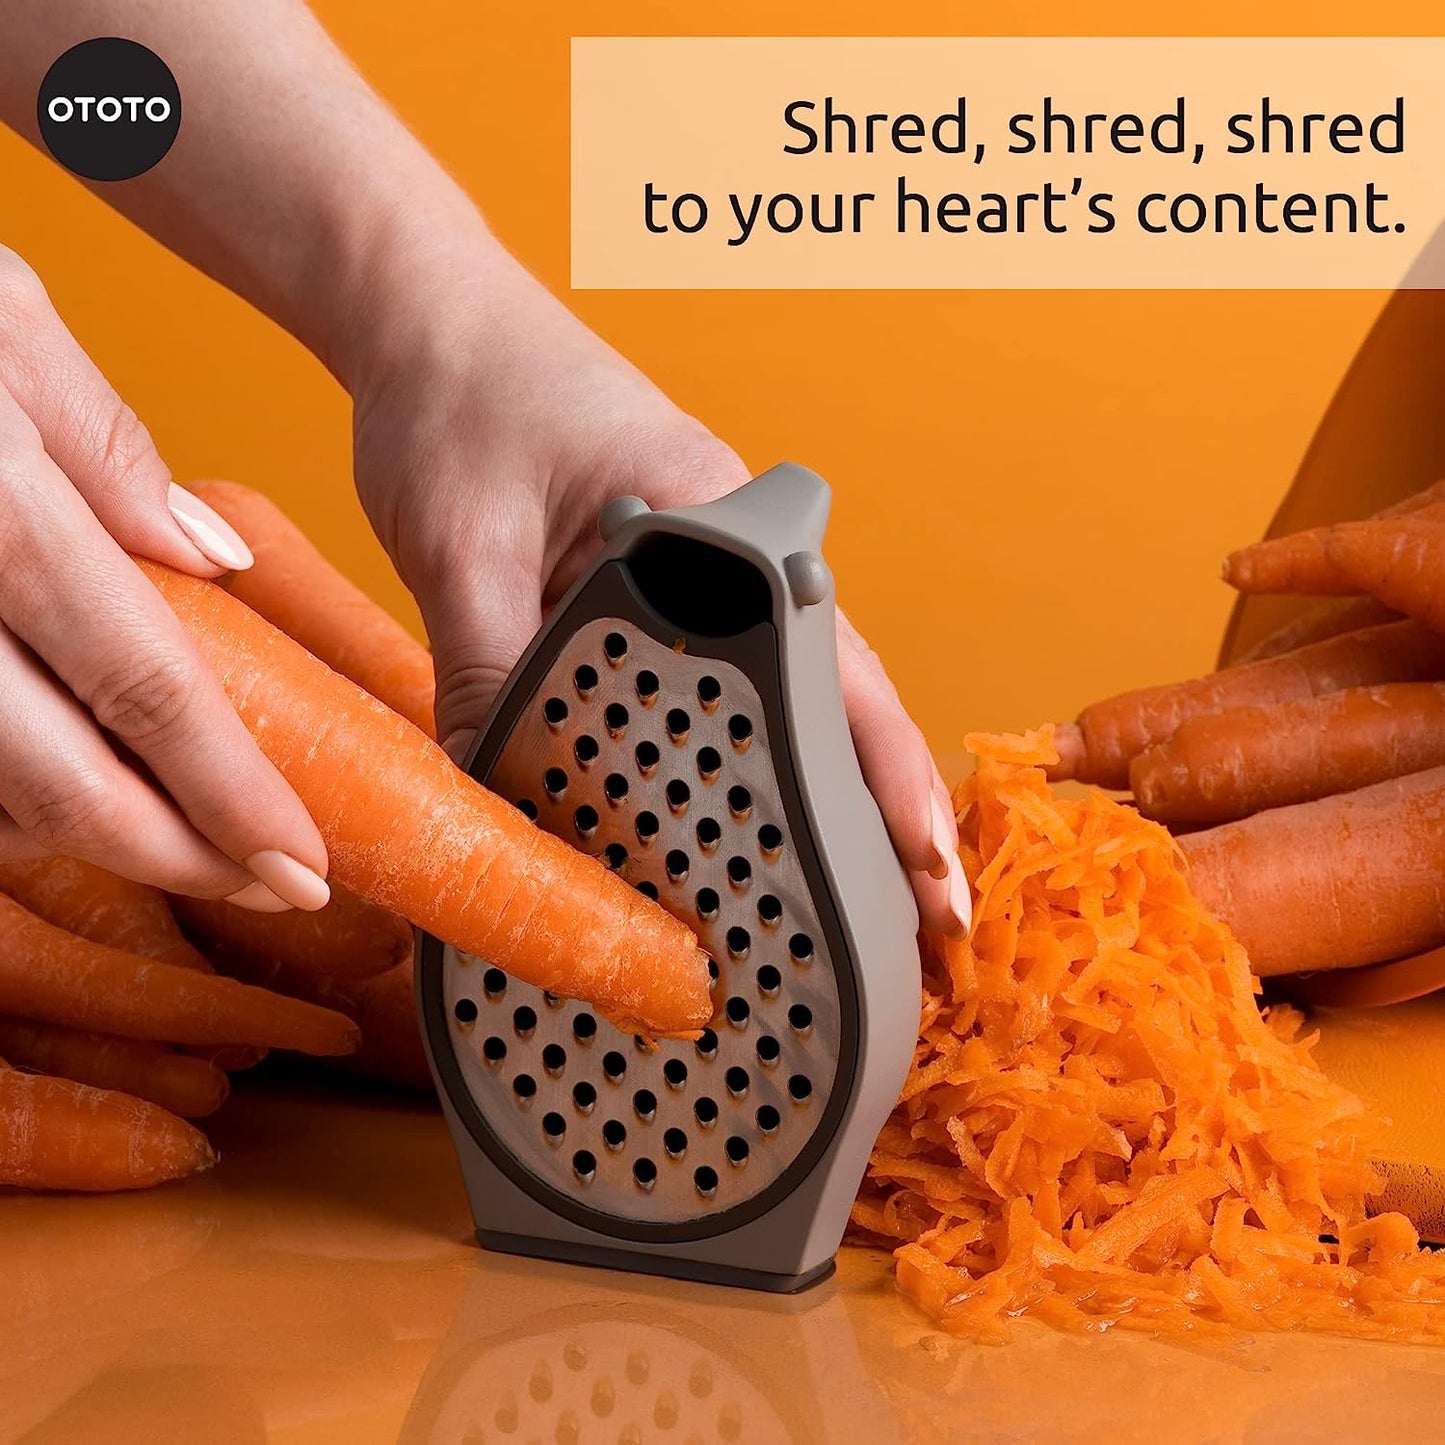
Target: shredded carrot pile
{"type": "Point", "coordinates": [1100, 1127]}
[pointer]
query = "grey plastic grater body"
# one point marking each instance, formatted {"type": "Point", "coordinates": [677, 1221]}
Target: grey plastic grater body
{"type": "Point", "coordinates": [701, 641]}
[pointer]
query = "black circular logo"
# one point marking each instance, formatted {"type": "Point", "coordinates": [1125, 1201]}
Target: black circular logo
{"type": "Point", "coordinates": [109, 109]}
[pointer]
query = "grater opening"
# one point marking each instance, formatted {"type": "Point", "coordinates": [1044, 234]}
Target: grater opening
{"type": "Point", "coordinates": [648, 765]}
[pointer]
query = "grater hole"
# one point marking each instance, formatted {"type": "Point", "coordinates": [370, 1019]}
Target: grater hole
{"type": "Point", "coordinates": [800, 946]}
{"type": "Point", "coordinates": [769, 1051]}
{"type": "Point", "coordinates": [552, 1000]}
{"type": "Point", "coordinates": [614, 1066]}
{"type": "Point", "coordinates": [708, 903]}
{"type": "Point", "coordinates": [647, 687]}
{"type": "Point", "coordinates": [465, 1010]}
{"type": "Point", "coordinates": [615, 646]}
{"type": "Point", "coordinates": [709, 764]}
{"type": "Point", "coordinates": [584, 1165]}
{"type": "Point", "coordinates": [800, 1087]}
{"type": "Point", "coordinates": [737, 1150]}
{"type": "Point", "coordinates": [524, 1086]}
{"type": "Point", "coordinates": [740, 802]}
{"type": "Point", "coordinates": [739, 942]}
{"type": "Point", "coordinates": [615, 718]}
{"type": "Point", "coordinates": [643, 1044]}
{"type": "Point", "coordinates": [494, 981]}
{"type": "Point", "coordinates": [674, 1141]}
{"type": "Point", "coordinates": [737, 1081]}
{"type": "Point", "coordinates": [740, 871]}
{"type": "Point", "coordinates": [554, 1059]}
{"type": "Point", "coordinates": [585, 681]}
{"type": "Point", "coordinates": [676, 863]}
{"type": "Point", "coordinates": [647, 755]}
{"type": "Point", "coordinates": [554, 1126]}
{"type": "Point", "coordinates": [614, 855]}
{"type": "Point", "coordinates": [646, 826]}
{"type": "Point", "coordinates": [769, 980]}
{"type": "Point", "coordinates": [648, 890]}
{"type": "Point", "coordinates": [524, 1020]}
{"type": "Point", "coordinates": [494, 1049]}
{"type": "Point", "coordinates": [709, 690]}
{"type": "Point", "coordinates": [644, 1105]}
{"type": "Point", "coordinates": [674, 1072]}
{"type": "Point", "coordinates": [584, 1096]}
{"type": "Point", "coordinates": [554, 783]}
{"type": "Point", "coordinates": [584, 1028]}
{"type": "Point", "coordinates": [679, 725]}
{"type": "Point", "coordinates": [713, 973]}
{"type": "Point", "coordinates": [709, 834]}
{"type": "Point", "coordinates": [585, 820]}
{"type": "Point", "coordinates": [644, 1172]}
{"type": "Point", "coordinates": [705, 1181]}
{"type": "Point", "coordinates": [585, 749]}
{"type": "Point", "coordinates": [770, 909]}
{"type": "Point", "coordinates": [614, 1134]}
{"type": "Point", "coordinates": [707, 1044]}
{"type": "Point", "coordinates": [769, 1119]}
{"type": "Point", "coordinates": [740, 730]}
{"type": "Point", "coordinates": [770, 840]}
{"type": "Point", "coordinates": [705, 1111]}
{"type": "Point", "coordinates": [527, 808]}
{"type": "Point", "coordinates": [800, 1018]}
{"type": "Point", "coordinates": [555, 711]}
{"type": "Point", "coordinates": [738, 1011]}
{"type": "Point", "coordinates": [615, 787]}
{"type": "Point", "coordinates": [678, 794]}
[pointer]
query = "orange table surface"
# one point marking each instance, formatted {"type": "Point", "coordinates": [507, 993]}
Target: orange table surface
{"type": "Point", "coordinates": [321, 1285]}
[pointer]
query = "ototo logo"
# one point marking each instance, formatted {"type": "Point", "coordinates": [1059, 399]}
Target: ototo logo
{"type": "Point", "coordinates": [109, 109]}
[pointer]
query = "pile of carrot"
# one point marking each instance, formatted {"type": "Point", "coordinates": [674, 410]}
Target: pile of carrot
{"type": "Point", "coordinates": [1100, 1128]}
{"type": "Point", "coordinates": [1307, 782]}
{"type": "Point", "coordinates": [121, 1011]}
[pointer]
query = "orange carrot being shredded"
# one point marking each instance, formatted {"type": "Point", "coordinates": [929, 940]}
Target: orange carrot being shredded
{"type": "Point", "coordinates": [1100, 1128]}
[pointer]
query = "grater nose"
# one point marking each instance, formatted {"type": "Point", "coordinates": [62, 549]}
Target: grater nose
{"type": "Point", "coordinates": [660, 763]}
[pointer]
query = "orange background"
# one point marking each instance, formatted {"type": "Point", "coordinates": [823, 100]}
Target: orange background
{"type": "Point", "coordinates": [1033, 490]}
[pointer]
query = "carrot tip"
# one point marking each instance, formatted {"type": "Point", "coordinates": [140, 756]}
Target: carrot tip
{"type": "Point", "coordinates": [1069, 741]}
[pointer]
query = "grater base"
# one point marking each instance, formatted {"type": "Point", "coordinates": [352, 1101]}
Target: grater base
{"type": "Point", "coordinates": [624, 1260]}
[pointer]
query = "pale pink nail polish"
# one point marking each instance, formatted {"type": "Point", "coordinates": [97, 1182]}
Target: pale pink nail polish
{"type": "Point", "coordinates": [259, 899]}
{"type": "Point", "coordinates": [289, 879]}
{"type": "Point", "coordinates": [942, 838]}
{"type": "Point", "coordinates": [211, 532]}
{"type": "Point", "coordinates": [960, 900]}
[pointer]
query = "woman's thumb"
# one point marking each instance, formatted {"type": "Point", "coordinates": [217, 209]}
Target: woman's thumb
{"type": "Point", "coordinates": [476, 637]}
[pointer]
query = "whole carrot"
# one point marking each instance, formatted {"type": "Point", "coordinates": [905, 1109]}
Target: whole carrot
{"type": "Point", "coordinates": [189, 1087]}
{"type": "Point", "coordinates": [86, 900]}
{"type": "Point", "coordinates": [384, 1008]}
{"type": "Point", "coordinates": [349, 938]}
{"type": "Point", "coordinates": [1107, 736]}
{"type": "Point", "coordinates": [1400, 563]}
{"type": "Point", "coordinates": [1230, 764]}
{"type": "Point", "coordinates": [1326, 619]}
{"type": "Point", "coordinates": [1353, 879]}
{"type": "Point", "coordinates": [57, 1134]}
{"type": "Point", "coordinates": [51, 975]}
{"type": "Point", "coordinates": [406, 829]}
{"type": "Point", "coordinates": [295, 588]}
{"type": "Point", "coordinates": [1301, 563]}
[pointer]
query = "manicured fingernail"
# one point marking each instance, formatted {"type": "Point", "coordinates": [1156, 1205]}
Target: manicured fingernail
{"type": "Point", "coordinates": [210, 531]}
{"type": "Point", "coordinates": [459, 744]}
{"type": "Point", "coordinates": [942, 838]}
{"type": "Point", "coordinates": [259, 899]}
{"type": "Point", "coordinates": [960, 900]}
{"type": "Point", "coordinates": [288, 879]}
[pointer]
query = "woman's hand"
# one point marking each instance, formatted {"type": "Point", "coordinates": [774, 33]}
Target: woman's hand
{"type": "Point", "coordinates": [490, 428]}
{"type": "Point", "coordinates": [117, 744]}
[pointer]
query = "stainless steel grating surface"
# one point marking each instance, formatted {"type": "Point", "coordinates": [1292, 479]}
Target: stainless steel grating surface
{"type": "Point", "coordinates": [659, 762]}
